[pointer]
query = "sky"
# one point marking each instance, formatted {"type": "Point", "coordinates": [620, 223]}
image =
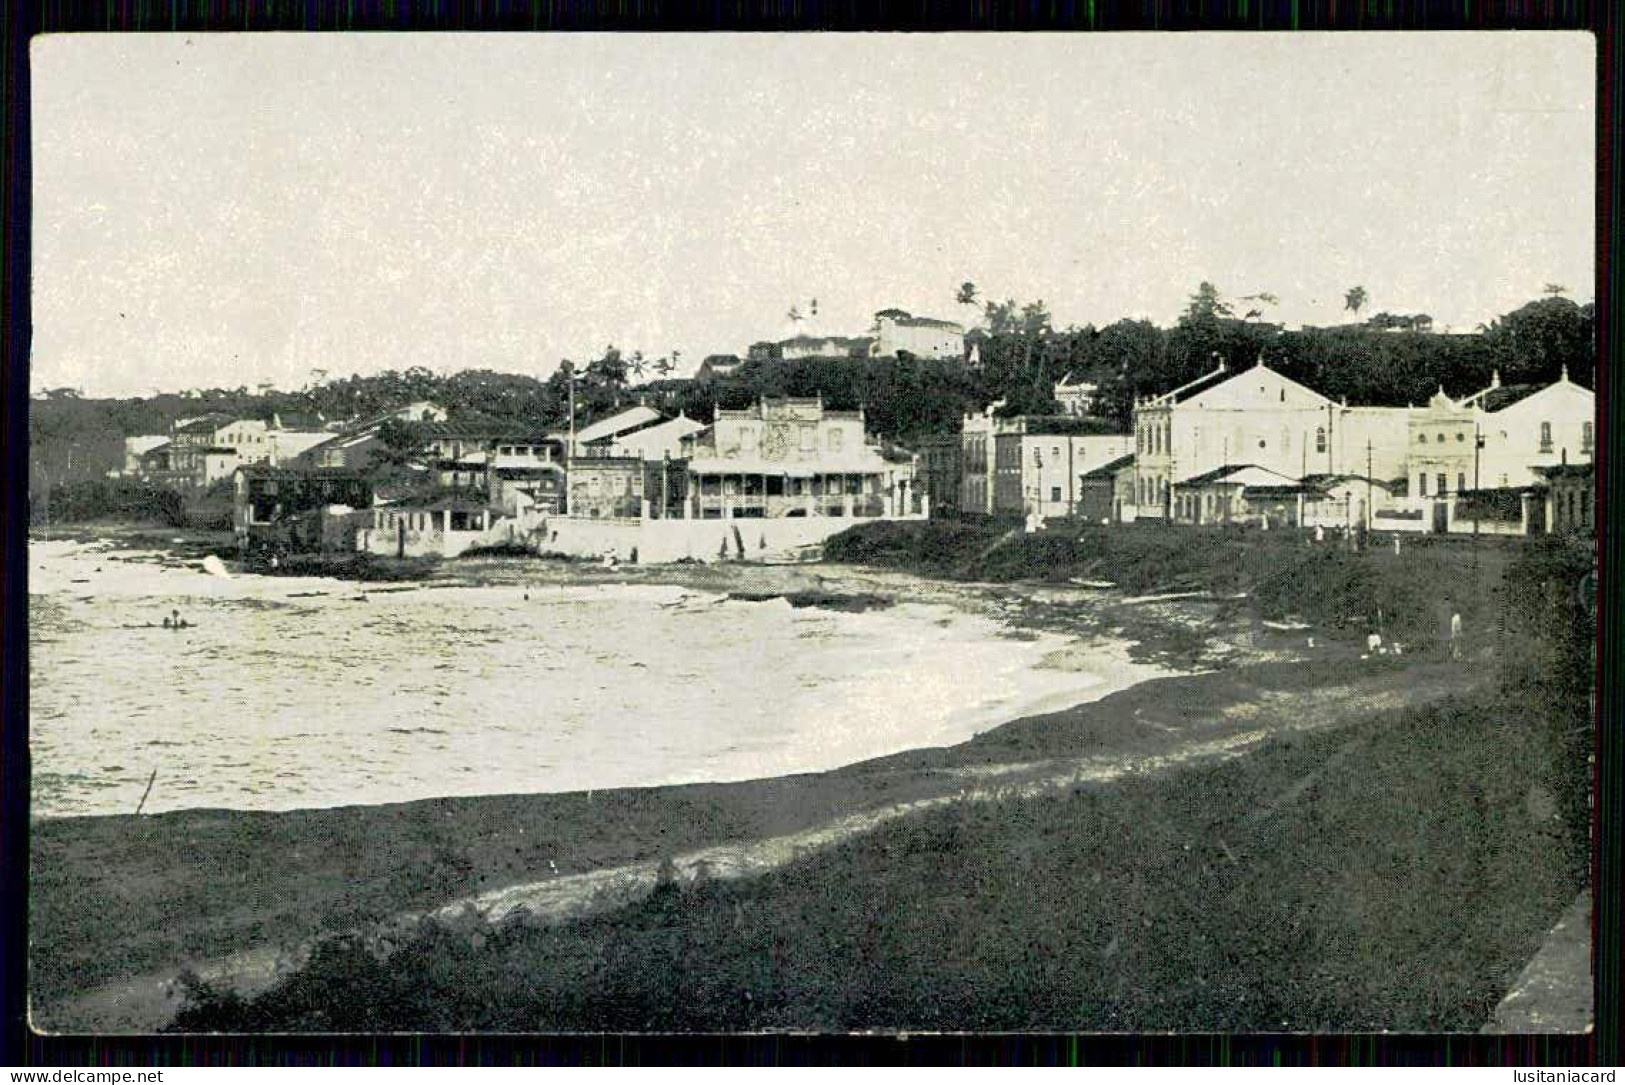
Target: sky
{"type": "Point", "coordinates": [224, 210]}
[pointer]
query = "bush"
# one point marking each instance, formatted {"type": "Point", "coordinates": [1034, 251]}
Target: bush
{"type": "Point", "coordinates": [103, 499]}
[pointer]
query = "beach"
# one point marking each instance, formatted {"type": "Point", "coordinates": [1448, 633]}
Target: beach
{"type": "Point", "coordinates": [239, 898]}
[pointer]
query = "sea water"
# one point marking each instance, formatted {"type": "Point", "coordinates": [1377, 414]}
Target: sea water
{"type": "Point", "coordinates": [291, 692]}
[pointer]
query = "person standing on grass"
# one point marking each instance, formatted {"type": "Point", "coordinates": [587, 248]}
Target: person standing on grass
{"type": "Point", "coordinates": [1455, 634]}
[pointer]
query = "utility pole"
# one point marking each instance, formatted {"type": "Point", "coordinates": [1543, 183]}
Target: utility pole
{"type": "Point", "coordinates": [570, 384]}
{"type": "Point", "coordinates": [1478, 445]}
{"type": "Point", "coordinates": [1368, 488]}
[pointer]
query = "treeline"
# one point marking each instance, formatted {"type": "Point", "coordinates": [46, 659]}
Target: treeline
{"type": "Point", "coordinates": [1386, 360]}
{"type": "Point", "coordinates": [108, 499]}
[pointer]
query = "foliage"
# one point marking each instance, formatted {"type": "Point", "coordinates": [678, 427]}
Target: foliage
{"type": "Point", "coordinates": [98, 499]}
{"type": "Point", "coordinates": [1389, 360]}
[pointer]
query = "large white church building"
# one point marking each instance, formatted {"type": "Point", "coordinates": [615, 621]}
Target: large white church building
{"type": "Point", "coordinates": [1197, 435]}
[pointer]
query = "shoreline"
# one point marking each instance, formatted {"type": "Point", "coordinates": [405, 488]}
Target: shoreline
{"type": "Point", "coordinates": [256, 889]}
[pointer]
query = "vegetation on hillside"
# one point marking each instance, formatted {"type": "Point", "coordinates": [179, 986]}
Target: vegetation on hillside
{"type": "Point", "coordinates": [1385, 359]}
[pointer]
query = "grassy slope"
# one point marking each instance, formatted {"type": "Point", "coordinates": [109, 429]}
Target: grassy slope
{"type": "Point", "coordinates": [1395, 875]}
{"type": "Point", "coordinates": [109, 900]}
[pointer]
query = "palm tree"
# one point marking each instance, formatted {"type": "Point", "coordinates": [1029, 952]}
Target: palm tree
{"type": "Point", "coordinates": [1355, 299]}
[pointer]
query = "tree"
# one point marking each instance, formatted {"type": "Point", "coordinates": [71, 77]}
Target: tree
{"type": "Point", "coordinates": [1207, 304]}
{"type": "Point", "coordinates": [402, 442]}
{"type": "Point", "coordinates": [1355, 300]}
{"type": "Point", "coordinates": [1535, 341]}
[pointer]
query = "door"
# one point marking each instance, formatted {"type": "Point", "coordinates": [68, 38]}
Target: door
{"type": "Point", "coordinates": [1441, 517]}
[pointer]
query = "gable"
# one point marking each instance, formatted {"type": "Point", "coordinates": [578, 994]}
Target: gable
{"type": "Point", "coordinates": [1259, 388]}
{"type": "Point", "coordinates": [1562, 401]}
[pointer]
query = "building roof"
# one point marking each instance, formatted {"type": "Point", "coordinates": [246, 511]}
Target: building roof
{"type": "Point", "coordinates": [929, 322]}
{"type": "Point", "coordinates": [1229, 475]}
{"type": "Point", "coordinates": [844, 465]}
{"type": "Point", "coordinates": [308, 421]}
{"type": "Point", "coordinates": [847, 342]}
{"type": "Point", "coordinates": [680, 426]}
{"type": "Point", "coordinates": [479, 431]}
{"type": "Point", "coordinates": [336, 474]}
{"type": "Point", "coordinates": [1567, 471]}
{"type": "Point", "coordinates": [206, 424]}
{"type": "Point", "coordinates": [623, 422]}
{"type": "Point", "coordinates": [1110, 468]}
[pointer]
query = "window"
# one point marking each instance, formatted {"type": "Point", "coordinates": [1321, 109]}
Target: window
{"type": "Point", "coordinates": [834, 440]}
{"type": "Point", "coordinates": [1545, 436]}
{"type": "Point", "coordinates": [1443, 486]}
{"type": "Point", "coordinates": [1460, 436]}
{"type": "Point", "coordinates": [1461, 481]}
{"type": "Point", "coordinates": [1263, 443]}
{"type": "Point", "coordinates": [1586, 437]}
{"type": "Point", "coordinates": [1421, 438]}
{"type": "Point", "coordinates": [1421, 485]}
{"type": "Point", "coordinates": [1054, 493]}
{"type": "Point", "coordinates": [1320, 438]}
{"type": "Point", "coordinates": [1038, 457]}
{"type": "Point", "coordinates": [1438, 438]}
{"type": "Point", "coordinates": [1055, 451]}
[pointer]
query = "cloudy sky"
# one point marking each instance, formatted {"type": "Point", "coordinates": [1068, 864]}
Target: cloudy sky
{"type": "Point", "coordinates": [230, 209]}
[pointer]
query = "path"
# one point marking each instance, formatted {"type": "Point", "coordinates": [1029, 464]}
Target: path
{"type": "Point", "coordinates": [148, 1002]}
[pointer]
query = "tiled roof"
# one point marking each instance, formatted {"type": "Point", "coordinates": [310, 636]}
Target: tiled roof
{"type": "Point", "coordinates": [1107, 470]}
{"type": "Point", "coordinates": [1223, 474]}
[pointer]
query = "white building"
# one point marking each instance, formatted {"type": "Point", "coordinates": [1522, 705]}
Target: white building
{"type": "Point", "coordinates": [923, 337]}
{"type": "Point", "coordinates": [1075, 397]}
{"type": "Point", "coordinates": [1526, 427]}
{"type": "Point", "coordinates": [652, 442]}
{"type": "Point", "coordinates": [1257, 416]}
